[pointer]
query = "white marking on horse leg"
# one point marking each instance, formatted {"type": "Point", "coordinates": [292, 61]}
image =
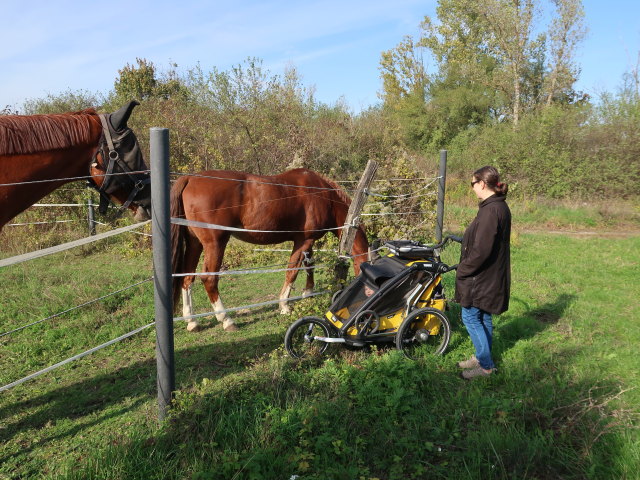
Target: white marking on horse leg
{"type": "Point", "coordinates": [228, 325]}
{"type": "Point", "coordinates": [187, 302]}
{"type": "Point", "coordinates": [187, 310]}
{"type": "Point", "coordinates": [285, 309]}
{"type": "Point", "coordinates": [307, 291]}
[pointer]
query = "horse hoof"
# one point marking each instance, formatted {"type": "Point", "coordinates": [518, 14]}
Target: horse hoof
{"type": "Point", "coordinates": [230, 328]}
{"type": "Point", "coordinates": [193, 327]}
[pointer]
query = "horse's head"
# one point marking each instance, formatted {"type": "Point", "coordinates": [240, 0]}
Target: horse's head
{"type": "Point", "coordinates": [118, 169]}
{"type": "Point", "coordinates": [360, 250]}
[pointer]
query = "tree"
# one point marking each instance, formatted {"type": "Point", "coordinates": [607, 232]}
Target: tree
{"type": "Point", "coordinates": [136, 82]}
{"type": "Point", "coordinates": [142, 83]}
{"type": "Point", "coordinates": [462, 92]}
{"type": "Point", "coordinates": [405, 88]}
{"type": "Point", "coordinates": [459, 43]}
{"type": "Point", "coordinates": [509, 24]}
{"type": "Point", "coordinates": [488, 60]}
{"type": "Point", "coordinates": [567, 30]}
{"type": "Point", "coordinates": [430, 109]}
{"type": "Point", "coordinates": [403, 72]}
{"type": "Point", "coordinates": [487, 44]}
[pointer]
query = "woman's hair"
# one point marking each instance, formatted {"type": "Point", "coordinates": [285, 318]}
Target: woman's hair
{"type": "Point", "coordinates": [490, 176]}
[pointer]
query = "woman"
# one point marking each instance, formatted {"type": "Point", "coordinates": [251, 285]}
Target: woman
{"type": "Point", "coordinates": [483, 278]}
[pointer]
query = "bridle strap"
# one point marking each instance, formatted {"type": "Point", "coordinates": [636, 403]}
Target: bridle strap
{"type": "Point", "coordinates": [104, 202]}
{"type": "Point", "coordinates": [112, 157]}
{"type": "Point", "coordinates": [107, 132]}
{"type": "Point", "coordinates": [138, 186]}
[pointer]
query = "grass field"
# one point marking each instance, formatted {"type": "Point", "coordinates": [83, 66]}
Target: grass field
{"type": "Point", "coordinates": [564, 404]}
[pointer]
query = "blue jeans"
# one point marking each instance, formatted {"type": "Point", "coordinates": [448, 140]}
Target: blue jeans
{"type": "Point", "coordinates": [480, 327]}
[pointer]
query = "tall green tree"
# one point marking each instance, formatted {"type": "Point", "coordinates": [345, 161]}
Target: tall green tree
{"type": "Point", "coordinates": [430, 108]}
{"type": "Point", "coordinates": [566, 32]}
{"type": "Point", "coordinates": [489, 44]}
{"type": "Point", "coordinates": [489, 63]}
{"type": "Point", "coordinates": [463, 91]}
{"type": "Point", "coordinates": [405, 90]}
{"type": "Point", "coordinates": [403, 73]}
{"type": "Point", "coordinates": [460, 44]}
{"type": "Point", "coordinates": [508, 24]}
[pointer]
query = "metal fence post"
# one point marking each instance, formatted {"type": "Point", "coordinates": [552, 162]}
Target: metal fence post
{"type": "Point", "coordinates": [163, 301]}
{"type": "Point", "coordinates": [442, 177]}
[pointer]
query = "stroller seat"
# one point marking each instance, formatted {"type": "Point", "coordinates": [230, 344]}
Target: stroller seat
{"type": "Point", "coordinates": [377, 273]}
{"type": "Point", "coordinates": [384, 269]}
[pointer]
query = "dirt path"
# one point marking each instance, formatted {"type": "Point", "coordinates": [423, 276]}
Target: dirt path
{"type": "Point", "coordinates": [584, 233]}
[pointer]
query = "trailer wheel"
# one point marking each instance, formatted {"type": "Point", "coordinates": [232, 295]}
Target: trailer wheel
{"type": "Point", "coordinates": [424, 331]}
{"type": "Point", "coordinates": [300, 339]}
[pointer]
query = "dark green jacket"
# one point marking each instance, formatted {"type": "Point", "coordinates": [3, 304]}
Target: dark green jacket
{"type": "Point", "coordinates": [483, 279]}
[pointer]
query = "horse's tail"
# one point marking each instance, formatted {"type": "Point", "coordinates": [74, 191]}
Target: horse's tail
{"type": "Point", "coordinates": [178, 233]}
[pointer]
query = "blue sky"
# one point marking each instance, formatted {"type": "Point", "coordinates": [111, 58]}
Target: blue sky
{"type": "Point", "coordinates": [55, 46]}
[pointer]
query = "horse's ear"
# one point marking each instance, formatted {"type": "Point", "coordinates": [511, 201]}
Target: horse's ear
{"type": "Point", "coordinates": [119, 118]}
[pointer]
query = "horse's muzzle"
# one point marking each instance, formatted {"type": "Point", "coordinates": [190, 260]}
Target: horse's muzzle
{"type": "Point", "coordinates": [142, 214]}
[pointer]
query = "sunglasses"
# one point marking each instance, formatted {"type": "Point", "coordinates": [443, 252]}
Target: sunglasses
{"type": "Point", "coordinates": [473, 183]}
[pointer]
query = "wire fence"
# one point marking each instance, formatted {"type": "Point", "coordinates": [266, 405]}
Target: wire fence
{"type": "Point", "coordinates": [69, 245]}
{"type": "Point", "coordinates": [69, 310]}
{"type": "Point", "coordinates": [138, 330]}
{"type": "Point", "coordinates": [47, 218]}
{"type": "Point", "coordinates": [14, 260]}
{"type": "Point", "coordinates": [132, 228]}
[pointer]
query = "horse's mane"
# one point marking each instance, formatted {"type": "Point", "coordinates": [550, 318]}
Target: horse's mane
{"type": "Point", "coordinates": [25, 134]}
{"type": "Point", "coordinates": [342, 195]}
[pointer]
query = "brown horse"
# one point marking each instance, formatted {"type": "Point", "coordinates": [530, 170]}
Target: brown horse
{"type": "Point", "coordinates": [39, 153]}
{"type": "Point", "coordinates": [297, 205]}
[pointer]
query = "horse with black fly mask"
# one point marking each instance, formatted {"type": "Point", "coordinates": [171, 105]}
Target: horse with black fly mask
{"type": "Point", "coordinates": [39, 153]}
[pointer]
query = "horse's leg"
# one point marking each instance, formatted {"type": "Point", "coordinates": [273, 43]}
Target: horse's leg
{"type": "Point", "coordinates": [192, 256]}
{"type": "Point", "coordinates": [213, 254]}
{"type": "Point", "coordinates": [307, 261]}
{"type": "Point", "coordinates": [297, 256]}
{"type": "Point", "coordinates": [187, 307]}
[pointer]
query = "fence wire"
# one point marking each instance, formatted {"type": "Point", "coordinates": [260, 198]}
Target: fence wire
{"type": "Point", "coordinates": [140, 329]}
{"type": "Point", "coordinates": [66, 246]}
{"type": "Point", "coordinates": [90, 302]}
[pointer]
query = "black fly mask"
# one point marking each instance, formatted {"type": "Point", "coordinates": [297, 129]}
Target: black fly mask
{"type": "Point", "coordinates": [124, 166]}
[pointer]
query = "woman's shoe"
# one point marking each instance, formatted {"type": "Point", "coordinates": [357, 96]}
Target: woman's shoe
{"type": "Point", "coordinates": [470, 363]}
{"type": "Point", "coordinates": [475, 373]}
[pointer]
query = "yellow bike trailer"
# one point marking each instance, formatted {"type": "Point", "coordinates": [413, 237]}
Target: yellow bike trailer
{"type": "Point", "coordinates": [398, 298]}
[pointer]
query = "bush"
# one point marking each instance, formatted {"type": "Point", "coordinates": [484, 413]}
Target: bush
{"type": "Point", "coordinates": [250, 120]}
{"type": "Point", "coordinates": [559, 152]}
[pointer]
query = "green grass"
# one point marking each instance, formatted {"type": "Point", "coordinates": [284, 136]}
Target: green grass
{"type": "Point", "coordinates": [564, 404]}
{"type": "Point", "coordinates": [537, 213]}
